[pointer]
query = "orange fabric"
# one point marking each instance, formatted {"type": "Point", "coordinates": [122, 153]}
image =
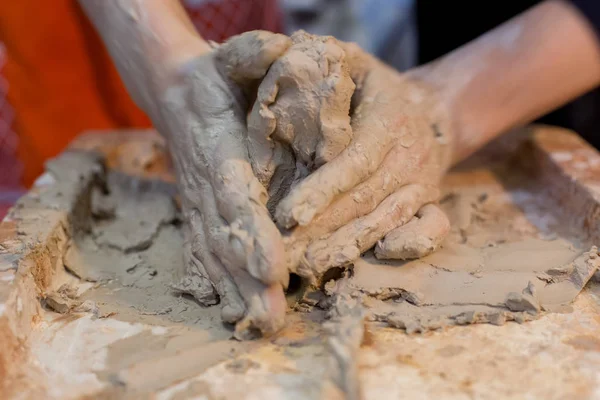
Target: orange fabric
{"type": "Point", "coordinates": [61, 79]}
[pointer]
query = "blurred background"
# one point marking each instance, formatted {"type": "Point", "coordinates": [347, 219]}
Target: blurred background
{"type": "Point", "coordinates": [56, 79]}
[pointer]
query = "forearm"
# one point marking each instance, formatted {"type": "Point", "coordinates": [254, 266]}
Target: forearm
{"type": "Point", "coordinates": [147, 39]}
{"type": "Point", "coordinates": [516, 73]}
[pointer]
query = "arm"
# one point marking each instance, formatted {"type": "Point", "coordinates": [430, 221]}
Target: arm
{"type": "Point", "coordinates": [516, 73]}
{"type": "Point", "coordinates": [195, 96]}
{"type": "Point", "coordinates": [148, 40]}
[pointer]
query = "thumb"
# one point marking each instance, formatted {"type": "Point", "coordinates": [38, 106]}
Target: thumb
{"type": "Point", "coordinates": [247, 57]}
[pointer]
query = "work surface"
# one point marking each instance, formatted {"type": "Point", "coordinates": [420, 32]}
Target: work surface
{"type": "Point", "coordinates": [125, 333]}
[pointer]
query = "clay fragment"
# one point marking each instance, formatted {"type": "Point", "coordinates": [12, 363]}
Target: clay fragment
{"type": "Point", "coordinates": [524, 301]}
{"type": "Point", "coordinates": [63, 300]}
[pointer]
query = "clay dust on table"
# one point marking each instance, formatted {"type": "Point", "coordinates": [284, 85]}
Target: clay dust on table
{"type": "Point", "coordinates": [510, 256]}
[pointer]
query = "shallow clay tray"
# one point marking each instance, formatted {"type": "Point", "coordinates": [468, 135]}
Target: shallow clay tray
{"type": "Point", "coordinates": [123, 332]}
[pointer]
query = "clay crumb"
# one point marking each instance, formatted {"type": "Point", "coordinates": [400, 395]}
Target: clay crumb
{"type": "Point", "coordinates": [524, 301]}
{"type": "Point", "coordinates": [63, 300]}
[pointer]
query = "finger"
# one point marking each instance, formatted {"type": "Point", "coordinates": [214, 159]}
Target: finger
{"type": "Point", "coordinates": [399, 168]}
{"type": "Point", "coordinates": [421, 236]}
{"type": "Point", "coordinates": [248, 56]}
{"type": "Point", "coordinates": [353, 204]}
{"type": "Point", "coordinates": [241, 199]}
{"type": "Point", "coordinates": [359, 160]}
{"type": "Point", "coordinates": [233, 307]}
{"type": "Point", "coordinates": [350, 241]}
{"type": "Point", "coordinates": [265, 304]}
{"type": "Point", "coordinates": [252, 235]}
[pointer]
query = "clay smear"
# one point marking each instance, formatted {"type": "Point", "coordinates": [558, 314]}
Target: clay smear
{"type": "Point", "coordinates": [495, 266]}
{"type": "Point", "coordinates": [461, 285]}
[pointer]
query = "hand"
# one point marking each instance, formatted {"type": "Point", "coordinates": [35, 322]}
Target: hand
{"type": "Point", "coordinates": [382, 188]}
{"type": "Point", "coordinates": [232, 248]}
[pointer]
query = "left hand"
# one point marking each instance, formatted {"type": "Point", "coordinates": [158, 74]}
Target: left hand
{"type": "Point", "coordinates": [382, 188]}
{"type": "Point", "coordinates": [232, 247]}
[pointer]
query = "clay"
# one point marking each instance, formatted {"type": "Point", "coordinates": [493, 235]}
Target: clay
{"type": "Point", "coordinates": [345, 334]}
{"type": "Point", "coordinates": [133, 225]}
{"type": "Point", "coordinates": [138, 280]}
{"type": "Point", "coordinates": [63, 300]}
{"type": "Point", "coordinates": [470, 280]}
{"type": "Point", "coordinates": [156, 331]}
{"type": "Point", "coordinates": [300, 119]}
{"type": "Point", "coordinates": [134, 333]}
{"type": "Point", "coordinates": [496, 274]}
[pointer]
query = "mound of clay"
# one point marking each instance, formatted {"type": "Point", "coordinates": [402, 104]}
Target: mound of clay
{"type": "Point", "coordinates": [301, 117]}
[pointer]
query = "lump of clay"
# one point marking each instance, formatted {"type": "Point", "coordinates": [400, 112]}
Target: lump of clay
{"type": "Point", "coordinates": [301, 117]}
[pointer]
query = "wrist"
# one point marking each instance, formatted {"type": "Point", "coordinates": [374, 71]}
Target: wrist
{"type": "Point", "coordinates": [441, 110]}
{"type": "Point", "coordinates": [167, 66]}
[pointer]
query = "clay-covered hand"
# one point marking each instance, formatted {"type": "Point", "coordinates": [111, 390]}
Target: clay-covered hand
{"type": "Point", "coordinates": [381, 189]}
{"type": "Point", "coordinates": [233, 250]}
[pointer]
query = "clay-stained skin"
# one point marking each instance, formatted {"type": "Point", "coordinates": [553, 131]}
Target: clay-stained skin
{"type": "Point", "coordinates": [230, 238]}
{"type": "Point", "coordinates": [300, 119]}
